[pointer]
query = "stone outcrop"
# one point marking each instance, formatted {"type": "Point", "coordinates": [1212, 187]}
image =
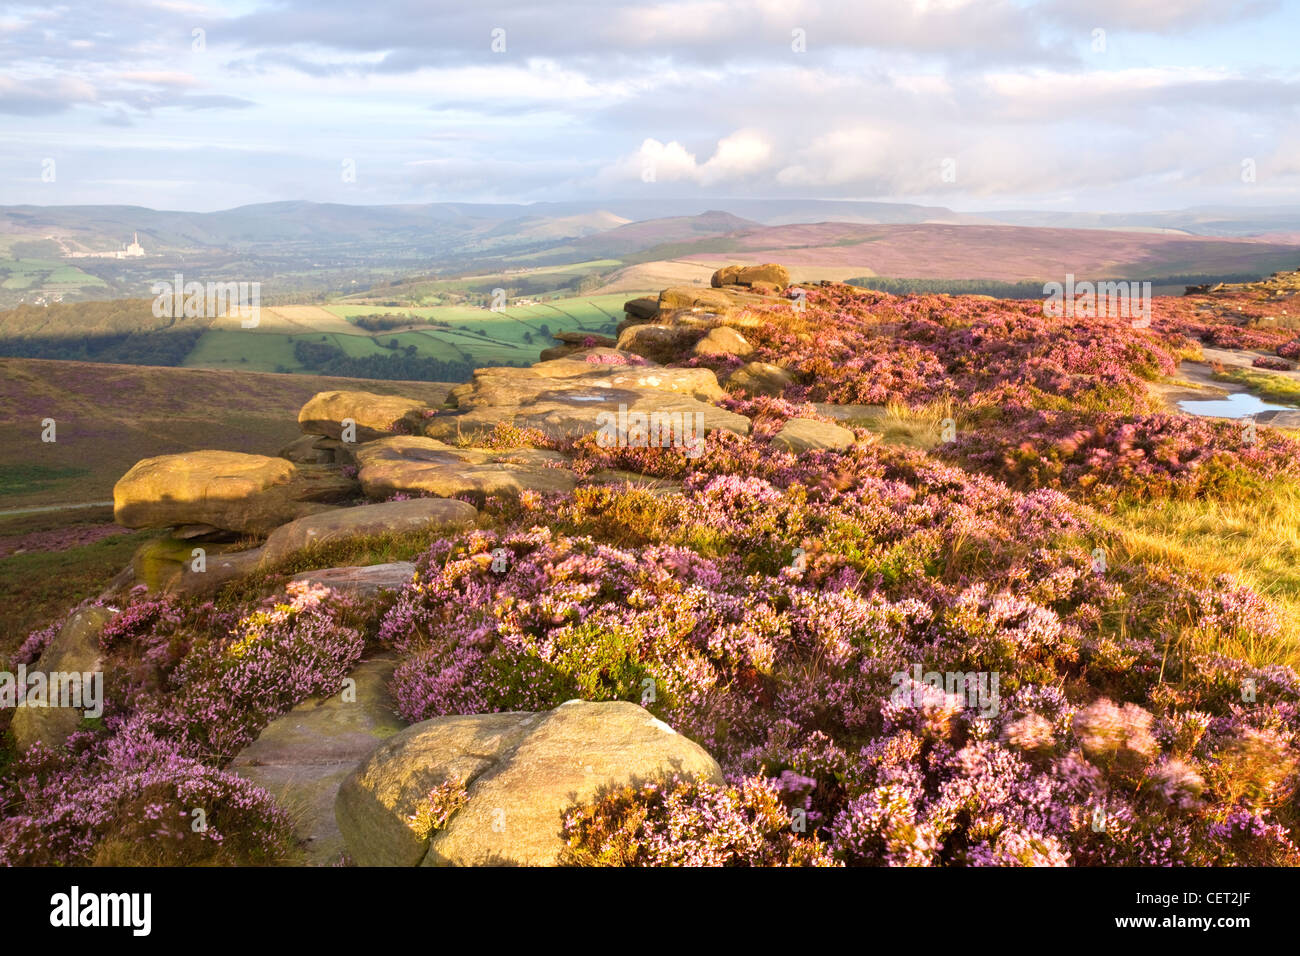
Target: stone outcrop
{"type": "Point", "coordinates": [769, 277]}
{"type": "Point", "coordinates": [390, 517]}
{"type": "Point", "coordinates": [375, 416]}
{"type": "Point", "coordinates": [229, 490]}
{"type": "Point", "coordinates": [520, 771]}
{"type": "Point", "coordinates": [414, 465]}
{"type": "Point", "coordinates": [566, 398]}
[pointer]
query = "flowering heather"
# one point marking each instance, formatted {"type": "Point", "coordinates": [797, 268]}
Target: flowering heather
{"type": "Point", "coordinates": [188, 687]}
{"type": "Point", "coordinates": [784, 674]}
{"type": "Point", "coordinates": [130, 798]}
{"type": "Point", "coordinates": [1107, 455]}
{"type": "Point", "coordinates": [852, 347]}
{"type": "Point", "coordinates": [690, 824]}
{"type": "Point", "coordinates": [775, 608]}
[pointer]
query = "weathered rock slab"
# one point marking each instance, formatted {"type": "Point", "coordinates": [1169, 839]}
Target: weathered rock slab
{"type": "Point", "coordinates": [364, 520]}
{"type": "Point", "coordinates": [362, 581]}
{"type": "Point", "coordinates": [302, 756]}
{"type": "Point", "coordinates": [808, 434]}
{"type": "Point", "coordinates": [414, 465]}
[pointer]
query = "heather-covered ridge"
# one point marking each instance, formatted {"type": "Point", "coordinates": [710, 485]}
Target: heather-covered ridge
{"type": "Point", "coordinates": [784, 609]}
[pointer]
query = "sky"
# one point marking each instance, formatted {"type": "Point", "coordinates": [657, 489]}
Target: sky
{"type": "Point", "coordinates": [1081, 105]}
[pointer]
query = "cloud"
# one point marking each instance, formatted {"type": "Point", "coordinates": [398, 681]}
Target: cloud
{"type": "Point", "coordinates": [736, 157]}
{"type": "Point", "coordinates": [711, 95]}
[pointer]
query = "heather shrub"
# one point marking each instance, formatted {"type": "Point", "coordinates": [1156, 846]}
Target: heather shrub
{"type": "Point", "coordinates": [130, 798]}
{"type": "Point", "coordinates": [690, 823]}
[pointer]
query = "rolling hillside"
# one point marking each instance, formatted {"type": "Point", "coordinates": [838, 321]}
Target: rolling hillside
{"type": "Point", "coordinates": [110, 416]}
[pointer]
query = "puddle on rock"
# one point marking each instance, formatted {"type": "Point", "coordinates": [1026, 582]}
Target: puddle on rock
{"type": "Point", "coordinates": [1238, 405]}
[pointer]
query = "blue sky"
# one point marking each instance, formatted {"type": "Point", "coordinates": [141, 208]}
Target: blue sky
{"type": "Point", "coordinates": [973, 104]}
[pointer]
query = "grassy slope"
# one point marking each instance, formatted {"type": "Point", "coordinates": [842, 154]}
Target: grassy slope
{"type": "Point", "coordinates": [477, 335]}
{"type": "Point", "coordinates": [38, 586]}
{"type": "Point", "coordinates": [110, 416]}
{"type": "Point", "coordinates": [1255, 539]}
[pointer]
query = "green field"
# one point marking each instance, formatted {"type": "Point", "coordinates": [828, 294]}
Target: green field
{"type": "Point", "coordinates": [51, 275]}
{"type": "Point", "coordinates": [516, 334]}
{"type": "Point", "coordinates": [528, 281]}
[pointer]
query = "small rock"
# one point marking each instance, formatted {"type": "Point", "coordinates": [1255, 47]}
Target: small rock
{"type": "Point", "coordinates": [760, 378]}
{"type": "Point", "coordinates": [74, 650]}
{"type": "Point", "coordinates": [656, 342]}
{"type": "Point", "coordinates": [723, 341]}
{"type": "Point", "coordinates": [171, 566]}
{"type": "Point", "coordinates": [808, 434]}
{"type": "Point", "coordinates": [375, 416]}
{"type": "Point", "coordinates": [643, 309]}
{"type": "Point", "coordinates": [303, 451]}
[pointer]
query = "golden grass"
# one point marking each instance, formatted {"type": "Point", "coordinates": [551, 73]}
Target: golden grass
{"type": "Point", "coordinates": [1254, 539]}
{"type": "Point", "coordinates": [1267, 386]}
{"type": "Point", "coordinates": [913, 427]}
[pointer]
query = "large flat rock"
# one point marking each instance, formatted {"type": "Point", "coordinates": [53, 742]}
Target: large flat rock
{"type": "Point", "coordinates": [571, 398]}
{"type": "Point", "coordinates": [341, 524]}
{"type": "Point", "coordinates": [303, 756]}
{"type": "Point", "coordinates": [413, 465]}
{"type": "Point", "coordinates": [228, 490]}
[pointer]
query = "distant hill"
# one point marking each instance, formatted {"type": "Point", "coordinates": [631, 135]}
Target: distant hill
{"type": "Point", "coordinates": [649, 233]}
{"type": "Point", "coordinates": [1007, 253]}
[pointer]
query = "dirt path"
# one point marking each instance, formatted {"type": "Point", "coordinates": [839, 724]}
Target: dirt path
{"type": "Point", "coordinates": [32, 511]}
